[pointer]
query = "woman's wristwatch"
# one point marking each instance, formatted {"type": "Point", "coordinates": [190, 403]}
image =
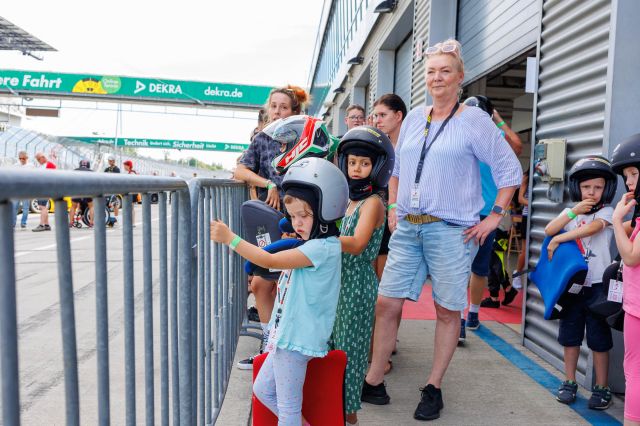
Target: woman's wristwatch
{"type": "Point", "coordinates": [498, 210]}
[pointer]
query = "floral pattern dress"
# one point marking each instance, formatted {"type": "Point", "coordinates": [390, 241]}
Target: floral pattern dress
{"type": "Point", "coordinates": [356, 304]}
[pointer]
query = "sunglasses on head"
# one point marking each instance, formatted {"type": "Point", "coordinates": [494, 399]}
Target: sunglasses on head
{"type": "Point", "coordinates": [441, 48]}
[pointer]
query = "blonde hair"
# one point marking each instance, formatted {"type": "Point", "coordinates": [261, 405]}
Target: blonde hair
{"type": "Point", "coordinates": [288, 199]}
{"type": "Point", "coordinates": [298, 96]}
{"type": "Point", "coordinates": [456, 54]}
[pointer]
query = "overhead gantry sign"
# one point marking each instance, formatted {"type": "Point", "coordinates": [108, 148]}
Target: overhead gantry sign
{"type": "Point", "coordinates": [132, 89]}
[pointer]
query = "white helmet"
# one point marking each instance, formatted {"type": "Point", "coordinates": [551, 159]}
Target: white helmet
{"type": "Point", "coordinates": [329, 186]}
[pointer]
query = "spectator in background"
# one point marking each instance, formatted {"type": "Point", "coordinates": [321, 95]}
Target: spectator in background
{"type": "Point", "coordinates": [128, 168]}
{"type": "Point", "coordinates": [23, 164]}
{"type": "Point", "coordinates": [355, 116]}
{"type": "Point", "coordinates": [262, 121]}
{"type": "Point", "coordinates": [480, 266]}
{"type": "Point", "coordinates": [388, 113]}
{"type": "Point", "coordinates": [84, 166]}
{"type": "Point", "coordinates": [523, 200]}
{"type": "Point", "coordinates": [113, 202]}
{"type": "Point", "coordinates": [42, 204]}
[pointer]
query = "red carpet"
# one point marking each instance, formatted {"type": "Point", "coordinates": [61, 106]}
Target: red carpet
{"type": "Point", "coordinates": [423, 309]}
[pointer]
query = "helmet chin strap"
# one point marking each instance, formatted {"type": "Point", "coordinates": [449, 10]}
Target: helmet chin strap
{"type": "Point", "coordinates": [324, 228]}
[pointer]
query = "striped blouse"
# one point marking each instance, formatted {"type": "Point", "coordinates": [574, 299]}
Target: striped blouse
{"type": "Point", "coordinates": [450, 183]}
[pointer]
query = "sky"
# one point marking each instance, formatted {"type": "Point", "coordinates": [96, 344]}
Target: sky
{"type": "Point", "coordinates": [243, 41]}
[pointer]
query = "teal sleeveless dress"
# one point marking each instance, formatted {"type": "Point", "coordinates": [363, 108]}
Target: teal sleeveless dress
{"type": "Point", "coordinates": [356, 305]}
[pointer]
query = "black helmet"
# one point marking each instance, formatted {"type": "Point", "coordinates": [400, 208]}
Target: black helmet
{"type": "Point", "coordinates": [481, 102]}
{"type": "Point", "coordinates": [626, 154]}
{"type": "Point", "coordinates": [591, 167]}
{"type": "Point", "coordinates": [369, 139]}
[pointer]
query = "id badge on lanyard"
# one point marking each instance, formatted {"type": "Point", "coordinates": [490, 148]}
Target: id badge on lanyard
{"type": "Point", "coordinates": [273, 332]}
{"type": "Point", "coordinates": [415, 195]}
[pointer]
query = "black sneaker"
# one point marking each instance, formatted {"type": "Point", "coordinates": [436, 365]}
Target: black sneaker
{"type": "Point", "coordinates": [376, 395]}
{"type": "Point", "coordinates": [252, 314]}
{"type": "Point", "coordinates": [430, 404]}
{"type": "Point", "coordinates": [245, 364]}
{"type": "Point", "coordinates": [600, 398]}
{"type": "Point", "coordinates": [567, 392]}
{"type": "Point", "coordinates": [463, 332]}
{"type": "Point", "coordinates": [490, 303]}
{"type": "Point", "coordinates": [509, 296]}
{"type": "Point", "coordinates": [41, 228]}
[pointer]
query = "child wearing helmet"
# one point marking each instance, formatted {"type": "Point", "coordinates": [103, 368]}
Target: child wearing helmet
{"type": "Point", "coordinates": [316, 195]}
{"type": "Point", "coordinates": [300, 136]}
{"type": "Point", "coordinates": [626, 162]}
{"type": "Point", "coordinates": [592, 185]}
{"type": "Point", "coordinates": [366, 158]}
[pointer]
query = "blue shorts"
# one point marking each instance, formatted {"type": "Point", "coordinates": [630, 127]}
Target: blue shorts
{"type": "Point", "coordinates": [576, 316]}
{"type": "Point", "coordinates": [480, 265]}
{"type": "Point", "coordinates": [436, 249]}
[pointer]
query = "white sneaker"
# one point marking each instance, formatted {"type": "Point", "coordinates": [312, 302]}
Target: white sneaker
{"type": "Point", "coordinates": [517, 282]}
{"type": "Point", "coordinates": [245, 364]}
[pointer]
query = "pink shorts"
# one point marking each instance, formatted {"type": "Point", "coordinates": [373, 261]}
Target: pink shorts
{"type": "Point", "coordinates": [632, 367]}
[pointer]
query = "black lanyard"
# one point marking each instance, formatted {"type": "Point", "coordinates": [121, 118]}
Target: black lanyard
{"type": "Point", "coordinates": [426, 148]}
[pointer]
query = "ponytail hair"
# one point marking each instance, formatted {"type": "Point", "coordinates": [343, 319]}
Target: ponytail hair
{"type": "Point", "coordinates": [393, 102]}
{"type": "Point", "coordinates": [298, 96]}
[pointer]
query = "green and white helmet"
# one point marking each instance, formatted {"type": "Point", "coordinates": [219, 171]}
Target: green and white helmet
{"type": "Point", "coordinates": [300, 136]}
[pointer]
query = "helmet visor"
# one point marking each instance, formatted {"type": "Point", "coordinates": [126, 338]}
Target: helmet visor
{"type": "Point", "coordinates": [286, 131]}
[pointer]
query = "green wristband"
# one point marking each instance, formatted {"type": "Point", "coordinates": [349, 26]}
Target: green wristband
{"type": "Point", "coordinates": [235, 242]}
{"type": "Point", "coordinates": [500, 124]}
{"type": "Point", "coordinates": [392, 206]}
{"type": "Point", "coordinates": [571, 215]}
{"type": "Point", "coordinates": [270, 185]}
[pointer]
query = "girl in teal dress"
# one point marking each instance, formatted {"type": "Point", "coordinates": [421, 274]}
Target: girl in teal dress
{"type": "Point", "coordinates": [366, 157]}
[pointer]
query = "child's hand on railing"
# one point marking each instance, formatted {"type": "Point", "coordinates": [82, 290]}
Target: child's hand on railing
{"type": "Point", "coordinates": [220, 232]}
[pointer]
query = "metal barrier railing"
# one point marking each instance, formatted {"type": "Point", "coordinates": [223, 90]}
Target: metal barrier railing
{"type": "Point", "coordinates": [226, 299]}
{"type": "Point", "coordinates": [202, 299]}
{"type": "Point", "coordinates": [66, 154]}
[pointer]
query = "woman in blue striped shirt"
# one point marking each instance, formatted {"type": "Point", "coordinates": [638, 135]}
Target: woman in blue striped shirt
{"type": "Point", "coordinates": [435, 199]}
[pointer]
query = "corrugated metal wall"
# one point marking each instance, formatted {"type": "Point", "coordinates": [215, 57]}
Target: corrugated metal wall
{"type": "Point", "coordinates": [402, 77]}
{"type": "Point", "coordinates": [573, 56]}
{"type": "Point", "coordinates": [373, 81]}
{"type": "Point", "coordinates": [421, 14]}
{"type": "Point", "coordinates": [494, 31]}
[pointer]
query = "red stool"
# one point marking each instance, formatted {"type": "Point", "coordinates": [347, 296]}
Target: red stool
{"type": "Point", "coordinates": [323, 400]}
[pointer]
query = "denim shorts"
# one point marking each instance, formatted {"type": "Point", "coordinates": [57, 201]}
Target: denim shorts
{"type": "Point", "coordinates": [480, 265]}
{"type": "Point", "coordinates": [576, 316]}
{"type": "Point", "coordinates": [434, 249]}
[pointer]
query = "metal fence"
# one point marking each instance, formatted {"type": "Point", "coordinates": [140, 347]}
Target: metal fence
{"type": "Point", "coordinates": [202, 294]}
{"type": "Point", "coordinates": [67, 153]}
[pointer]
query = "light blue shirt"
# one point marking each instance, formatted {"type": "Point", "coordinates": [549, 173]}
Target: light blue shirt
{"type": "Point", "coordinates": [309, 309]}
{"type": "Point", "coordinates": [450, 183]}
{"type": "Point", "coordinates": [489, 189]}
